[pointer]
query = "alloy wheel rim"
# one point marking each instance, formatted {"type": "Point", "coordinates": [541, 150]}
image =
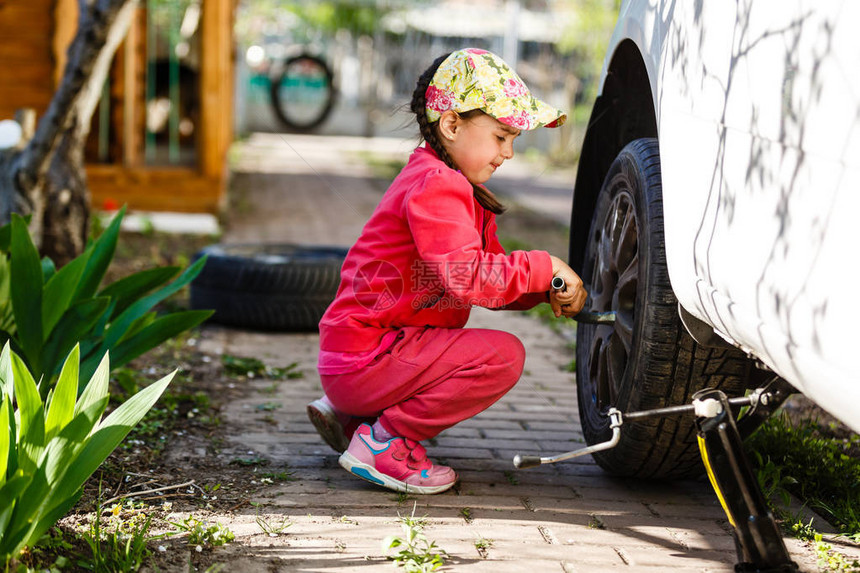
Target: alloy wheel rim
{"type": "Point", "coordinates": [615, 280]}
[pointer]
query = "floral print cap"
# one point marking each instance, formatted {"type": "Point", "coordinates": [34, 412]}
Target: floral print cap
{"type": "Point", "coordinates": [476, 79]}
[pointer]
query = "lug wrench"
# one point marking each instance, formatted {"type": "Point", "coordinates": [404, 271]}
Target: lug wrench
{"type": "Point", "coordinates": [585, 316]}
{"type": "Point", "coordinates": [700, 408]}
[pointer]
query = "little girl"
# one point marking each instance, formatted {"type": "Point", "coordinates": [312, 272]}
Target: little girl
{"type": "Point", "coordinates": [396, 363]}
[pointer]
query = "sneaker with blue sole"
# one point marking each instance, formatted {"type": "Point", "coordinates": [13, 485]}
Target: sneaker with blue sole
{"type": "Point", "coordinates": [398, 464]}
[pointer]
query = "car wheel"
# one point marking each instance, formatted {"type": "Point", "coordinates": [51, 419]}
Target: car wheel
{"type": "Point", "coordinates": [280, 287]}
{"type": "Point", "coordinates": [646, 359]}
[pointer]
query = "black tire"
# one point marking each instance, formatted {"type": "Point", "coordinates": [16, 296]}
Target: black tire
{"type": "Point", "coordinates": [294, 115]}
{"type": "Point", "coordinates": [276, 287]}
{"type": "Point", "coordinates": [646, 360]}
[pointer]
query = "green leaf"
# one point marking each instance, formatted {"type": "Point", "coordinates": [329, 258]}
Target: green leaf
{"type": "Point", "coordinates": [58, 292]}
{"type": "Point", "coordinates": [26, 509]}
{"type": "Point", "coordinates": [5, 238]}
{"type": "Point", "coordinates": [50, 517]}
{"type": "Point", "coordinates": [100, 256]}
{"type": "Point", "coordinates": [6, 338]}
{"type": "Point", "coordinates": [31, 432]}
{"type": "Point", "coordinates": [138, 325]}
{"type": "Point", "coordinates": [97, 387]}
{"type": "Point", "coordinates": [97, 333]}
{"type": "Point", "coordinates": [118, 327]}
{"type": "Point", "coordinates": [61, 452]}
{"type": "Point", "coordinates": [159, 331]}
{"type": "Point", "coordinates": [43, 502]}
{"type": "Point", "coordinates": [9, 495]}
{"type": "Point", "coordinates": [6, 234]}
{"type": "Point", "coordinates": [109, 434]}
{"type": "Point", "coordinates": [75, 324]}
{"type": "Point", "coordinates": [61, 455]}
{"type": "Point", "coordinates": [26, 291]}
{"type": "Point", "coordinates": [129, 289]}
{"type": "Point", "coordinates": [62, 406]}
{"type": "Point", "coordinates": [27, 396]}
{"type": "Point", "coordinates": [7, 317]}
{"type": "Point", "coordinates": [7, 379]}
{"type": "Point", "coordinates": [48, 269]}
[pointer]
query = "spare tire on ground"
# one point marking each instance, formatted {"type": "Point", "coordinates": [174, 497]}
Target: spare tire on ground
{"type": "Point", "coordinates": [275, 287]}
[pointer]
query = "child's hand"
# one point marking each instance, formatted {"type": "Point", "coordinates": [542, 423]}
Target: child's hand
{"type": "Point", "coordinates": [570, 300]}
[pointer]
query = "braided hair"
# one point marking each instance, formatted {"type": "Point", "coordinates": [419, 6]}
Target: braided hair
{"type": "Point", "coordinates": [430, 134]}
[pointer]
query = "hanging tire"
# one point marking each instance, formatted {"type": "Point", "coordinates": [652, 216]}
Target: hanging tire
{"type": "Point", "coordinates": [302, 93]}
{"type": "Point", "coordinates": [275, 287]}
{"type": "Point", "coordinates": [646, 359]}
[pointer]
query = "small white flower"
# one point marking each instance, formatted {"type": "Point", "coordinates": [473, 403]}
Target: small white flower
{"type": "Point", "coordinates": [199, 549]}
{"type": "Point", "coordinates": [162, 548]}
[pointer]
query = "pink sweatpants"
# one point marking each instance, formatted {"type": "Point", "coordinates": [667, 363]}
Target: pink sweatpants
{"type": "Point", "coordinates": [430, 379]}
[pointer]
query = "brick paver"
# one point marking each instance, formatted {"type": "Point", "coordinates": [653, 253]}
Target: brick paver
{"type": "Point", "coordinates": [568, 517]}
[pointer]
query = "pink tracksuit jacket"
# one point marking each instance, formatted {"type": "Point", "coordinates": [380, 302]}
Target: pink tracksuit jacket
{"type": "Point", "coordinates": [426, 256]}
{"type": "Point", "coordinates": [393, 344]}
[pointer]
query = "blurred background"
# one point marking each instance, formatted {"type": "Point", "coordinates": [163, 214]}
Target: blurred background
{"type": "Point", "coordinates": [372, 51]}
{"type": "Point", "coordinates": [193, 77]}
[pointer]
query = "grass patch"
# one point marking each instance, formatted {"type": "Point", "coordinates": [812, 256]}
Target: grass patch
{"type": "Point", "coordinates": [807, 461]}
{"type": "Point", "coordinates": [239, 367]}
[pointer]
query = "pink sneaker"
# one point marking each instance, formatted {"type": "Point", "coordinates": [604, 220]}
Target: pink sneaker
{"type": "Point", "coordinates": [331, 424]}
{"type": "Point", "coordinates": [397, 464]}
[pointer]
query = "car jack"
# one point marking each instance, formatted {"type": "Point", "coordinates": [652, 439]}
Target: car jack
{"type": "Point", "coordinates": [758, 542]}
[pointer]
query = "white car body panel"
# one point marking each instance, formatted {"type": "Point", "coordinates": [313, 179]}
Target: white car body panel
{"type": "Point", "coordinates": [758, 116]}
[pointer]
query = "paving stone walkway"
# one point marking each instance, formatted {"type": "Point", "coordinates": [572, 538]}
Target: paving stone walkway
{"type": "Point", "coordinates": [565, 517]}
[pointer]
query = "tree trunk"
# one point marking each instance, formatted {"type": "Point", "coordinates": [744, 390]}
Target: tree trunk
{"type": "Point", "coordinates": [65, 219]}
{"type": "Point", "coordinates": [46, 178]}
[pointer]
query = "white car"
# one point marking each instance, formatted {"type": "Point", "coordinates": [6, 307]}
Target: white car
{"type": "Point", "coordinates": [716, 212]}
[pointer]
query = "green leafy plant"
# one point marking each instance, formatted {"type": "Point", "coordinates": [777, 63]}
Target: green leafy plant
{"type": "Point", "coordinates": [483, 545]}
{"type": "Point", "coordinates": [204, 534]}
{"type": "Point", "coordinates": [832, 560]}
{"type": "Point", "coordinates": [51, 310]}
{"type": "Point", "coordinates": [416, 554]}
{"type": "Point", "coordinates": [272, 528]}
{"type": "Point", "coordinates": [49, 448]}
{"type": "Point", "coordinates": [120, 547]}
